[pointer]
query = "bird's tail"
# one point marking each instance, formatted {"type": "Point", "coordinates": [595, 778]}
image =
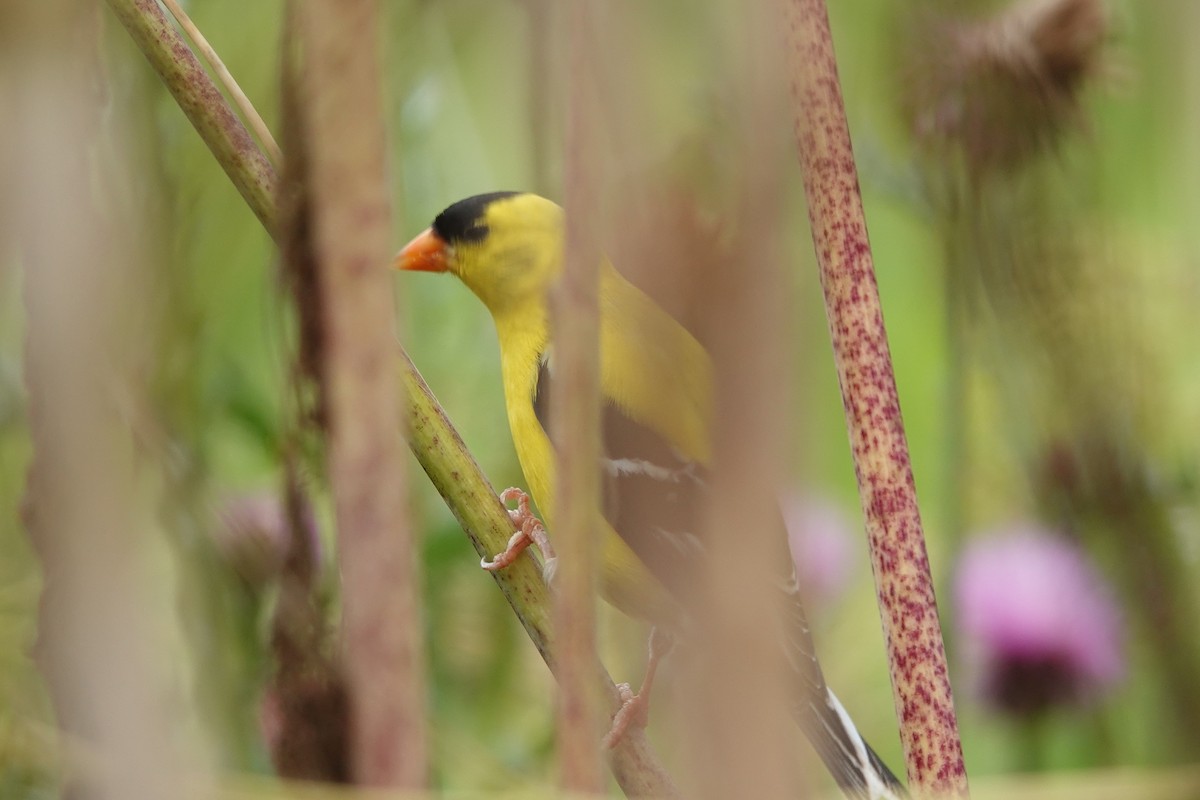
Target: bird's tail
{"type": "Point", "coordinates": [859, 772]}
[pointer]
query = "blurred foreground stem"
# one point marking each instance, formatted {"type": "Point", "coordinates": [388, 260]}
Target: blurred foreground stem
{"type": "Point", "coordinates": [349, 213]}
{"type": "Point", "coordinates": [84, 508]}
{"type": "Point", "coordinates": [575, 419]}
{"type": "Point", "coordinates": [432, 438]}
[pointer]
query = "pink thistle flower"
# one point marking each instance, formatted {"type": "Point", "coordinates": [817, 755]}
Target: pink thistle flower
{"type": "Point", "coordinates": [1039, 625]}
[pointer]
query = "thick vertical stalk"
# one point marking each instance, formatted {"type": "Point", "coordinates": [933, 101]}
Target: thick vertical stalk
{"type": "Point", "coordinates": [903, 585]}
{"type": "Point", "coordinates": [83, 506]}
{"type": "Point", "coordinates": [746, 735]}
{"type": "Point", "coordinates": [575, 425]}
{"type": "Point", "coordinates": [382, 623]}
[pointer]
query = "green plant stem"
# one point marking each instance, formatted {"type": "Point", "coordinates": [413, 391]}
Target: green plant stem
{"type": "Point", "coordinates": [199, 98]}
{"type": "Point", "coordinates": [1031, 734]}
{"type": "Point", "coordinates": [474, 503]}
{"type": "Point", "coordinates": [433, 440]}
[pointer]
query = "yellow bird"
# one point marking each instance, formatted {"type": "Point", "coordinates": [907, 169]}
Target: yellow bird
{"type": "Point", "coordinates": [656, 380]}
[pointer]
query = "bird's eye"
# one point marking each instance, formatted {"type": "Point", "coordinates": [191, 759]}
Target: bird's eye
{"type": "Point", "coordinates": [475, 233]}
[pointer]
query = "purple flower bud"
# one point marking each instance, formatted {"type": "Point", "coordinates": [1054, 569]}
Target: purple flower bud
{"type": "Point", "coordinates": [254, 537]}
{"type": "Point", "coordinates": [1039, 625]}
{"type": "Point", "coordinates": [822, 544]}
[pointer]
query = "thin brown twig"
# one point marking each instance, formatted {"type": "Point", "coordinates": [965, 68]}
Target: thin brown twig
{"type": "Point", "coordinates": [200, 99]}
{"type": "Point", "coordinates": [575, 422]}
{"type": "Point", "coordinates": [249, 112]}
{"type": "Point", "coordinates": [903, 584]}
{"type": "Point", "coordinates": [306, 698]}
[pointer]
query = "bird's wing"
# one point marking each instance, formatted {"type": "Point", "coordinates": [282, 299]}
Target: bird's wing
{"type": "Point", "coordinates": [653, 498]}
{"type": "Point", "coordinates": [652, 493]}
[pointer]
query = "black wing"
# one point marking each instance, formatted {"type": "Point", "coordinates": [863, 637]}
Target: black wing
{"type": "Point", "coordinates": [652, 494]}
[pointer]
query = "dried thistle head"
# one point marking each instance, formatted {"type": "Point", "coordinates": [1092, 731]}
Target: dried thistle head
{"type": "Point", "coordinates": [1001, 90]}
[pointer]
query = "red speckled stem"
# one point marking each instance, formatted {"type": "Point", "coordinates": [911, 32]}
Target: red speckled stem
{"type": "Point", "coordinates": [920, 681]}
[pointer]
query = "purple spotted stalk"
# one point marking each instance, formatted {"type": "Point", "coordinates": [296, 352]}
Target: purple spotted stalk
{"type": "Point", "coordinates": [903, 585]}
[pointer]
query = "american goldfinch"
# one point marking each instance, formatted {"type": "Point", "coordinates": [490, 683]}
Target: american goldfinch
{"type": "Point", "coordinates": [507, 247]}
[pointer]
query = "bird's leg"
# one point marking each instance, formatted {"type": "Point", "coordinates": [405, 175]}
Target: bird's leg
{"type": "Point", "coordinates": [635, 708]}
{"type": "Point", "coordinates": [529, 531]}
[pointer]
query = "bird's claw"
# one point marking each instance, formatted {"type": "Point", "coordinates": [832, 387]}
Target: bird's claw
{"type": "Point", "coordinates": [635, 708]}
{"type": "Point", "coordinates": [529, 531]}
{"type": "Point", "coordinates": [516, 545]}
{"type": "Point", "coordinates": [634, 712]}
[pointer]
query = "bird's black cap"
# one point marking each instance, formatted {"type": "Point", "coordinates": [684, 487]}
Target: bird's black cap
{"type": "Point", "coordinates": [463, 221]}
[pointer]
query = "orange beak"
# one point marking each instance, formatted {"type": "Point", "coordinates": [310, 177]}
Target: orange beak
{"type": "Point", "coordinates": [426, 253]}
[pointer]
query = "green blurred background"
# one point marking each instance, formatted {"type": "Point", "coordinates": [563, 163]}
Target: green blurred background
{"type": "Point", "coordinates": [1122, 178]}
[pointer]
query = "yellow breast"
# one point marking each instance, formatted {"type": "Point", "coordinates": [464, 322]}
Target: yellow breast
{"type": "Point", "coordinates": [625, 581]}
